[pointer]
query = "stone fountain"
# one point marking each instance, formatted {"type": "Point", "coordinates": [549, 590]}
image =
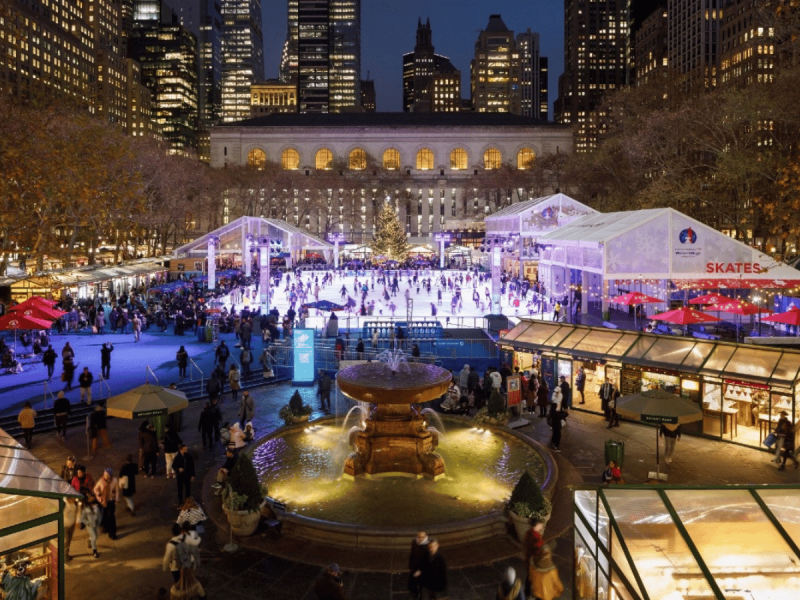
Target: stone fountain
{"type": "Point", "coordinates": [395, 438]}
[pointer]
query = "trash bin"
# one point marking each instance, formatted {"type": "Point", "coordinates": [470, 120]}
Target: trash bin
{"type": "Point", "coordinates": [201, 334]}
{"type": "Point", "coordinates": [615, 450]}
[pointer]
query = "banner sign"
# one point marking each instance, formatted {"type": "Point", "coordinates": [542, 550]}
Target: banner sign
{"type": "Point", "coordinates": [514, 389]}
{"type": "Point", "coordinates": [303, 344]}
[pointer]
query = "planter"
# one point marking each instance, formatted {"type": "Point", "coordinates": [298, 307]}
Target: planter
{"type": "Point", "coordinates": [243, 522]}
{"type": "Point", "coordinates": [493, 421]}
{"type": "Point", "coordinates": [301, 419]}
{"type": "Point", "coordinates": [523, 524]}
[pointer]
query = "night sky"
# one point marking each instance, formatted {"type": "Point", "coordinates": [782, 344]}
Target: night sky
{"type": "Point", "coordinates": [388, 30]}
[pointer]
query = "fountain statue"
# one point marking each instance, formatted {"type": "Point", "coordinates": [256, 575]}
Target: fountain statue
{"type": "Point", "coordinates": [396, 438]}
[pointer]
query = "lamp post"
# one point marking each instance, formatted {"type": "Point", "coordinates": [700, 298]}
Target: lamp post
{"type": "Point", "coordinates": [441, 238]}
{"type": "Point", "coordinates": [336, 238]}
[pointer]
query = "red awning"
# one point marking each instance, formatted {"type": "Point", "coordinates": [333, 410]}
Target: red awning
{"type": "Point", "coordinates": [736, 283]}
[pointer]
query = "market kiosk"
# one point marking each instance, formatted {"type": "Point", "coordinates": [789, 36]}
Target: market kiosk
{"type": "Point", "coordinates": [674, 543]}
{"type": "Point", "coordinates": [32, 498]}
{"type": "Point", "coordinates": [741, 389]}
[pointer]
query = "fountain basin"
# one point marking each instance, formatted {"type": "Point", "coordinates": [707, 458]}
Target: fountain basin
{"type": "Point", "coordinates": [376, 383]}
{"type": "Point", "coordinates": [302, 466]}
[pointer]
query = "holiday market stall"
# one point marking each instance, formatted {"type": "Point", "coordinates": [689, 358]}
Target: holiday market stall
{"type": "Point", "coordinates": [32, 505]}
{"type": "Point", "coordinates": [741, 389]}
{"type": "Point", "coordinates": [655, 252]}
{"type": "Point", "coordinates": [673, 543]}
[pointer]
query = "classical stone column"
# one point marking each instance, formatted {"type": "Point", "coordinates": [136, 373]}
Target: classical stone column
{"type": "Point", "coordinates": [263, 280]}
{"type": "Point", "coordinates": [212, 262]}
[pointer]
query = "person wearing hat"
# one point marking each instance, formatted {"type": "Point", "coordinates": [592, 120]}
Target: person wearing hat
{"type": "Point", "coordinates": [61, 410]}
{"type": "Point", "coordinates": [106, 490]}
{"type": "Point", "coordinates": [247, 409]}
{"type": "Point", "coordinates": [329, 585]}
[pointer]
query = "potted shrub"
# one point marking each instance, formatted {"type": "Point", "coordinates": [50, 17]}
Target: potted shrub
{"type": "Point", "coordinates": [494, 413]}
{"type": "Point", "coordinates": [243, 497]}
{"type": "Point", "coordinates": [527, 504]}
{"type": "Point", "coordinates": [296, 411]}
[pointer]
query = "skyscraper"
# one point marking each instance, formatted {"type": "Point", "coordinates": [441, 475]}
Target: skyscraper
{"type": "Point", "coordinates": [693, 42]}
{"type": "Point", "coordinates": [495, 76]}
{"type": "Point", "coordinates": [242, 56]}
{"type": "Point", "coordinates": [597, 59]}
{"type": "Point", "coordinates": [167, 52]}
{"type": "Point", "coordinates": [322, 54]}
{"type": "Point", "coordinates": [651, 48]}
{"type": "Point", "coordinates": [430, 81]}
{"type": "Point", "coordinates": [533, 77]}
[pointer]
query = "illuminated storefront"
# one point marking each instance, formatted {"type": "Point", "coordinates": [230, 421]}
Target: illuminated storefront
{"type": "Point", "coordinates": [659, 543]}
{"type": "Point", "coordinates": [32, 499]}
{"type": "Point", "coordinates": [741, 389]}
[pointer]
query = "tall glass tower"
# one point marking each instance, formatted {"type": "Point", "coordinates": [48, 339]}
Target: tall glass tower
{"type": "Point", "coordinates": [242, 56]}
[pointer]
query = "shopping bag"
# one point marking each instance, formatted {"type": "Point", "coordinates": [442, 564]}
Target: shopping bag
{"type": "Point", "coordinates": [770, 440]}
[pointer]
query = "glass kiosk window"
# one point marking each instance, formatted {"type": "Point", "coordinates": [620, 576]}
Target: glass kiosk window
{"type": "Point", "coordinates": [663, 381]}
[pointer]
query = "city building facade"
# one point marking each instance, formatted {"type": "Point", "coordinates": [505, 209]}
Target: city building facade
{"type": "Point", "coordinates": [650, 48]}
{"type": "Point", "coordinates": [747, 45]}
{"type": "Point", "coordinates": [533, 77]}
{"type": "Point", "coordinates": [272, 96]}
{"type": "Point", "coordinates": [430, 81]}
{"type": "Point", "coordinates": [242, 55]}
{"type": "Point", "coordinates": [368, 96]}
{"type": "Point", "coordinates": [495, 71]}
{"type": "Point", "coordinates": [428, 165]}
{"type": "Point", "coordinates": [693, 42]}
{"type": "Point", "coordinates": [167, 53]}
{"type": "Point", "coordinates": [597, 59]}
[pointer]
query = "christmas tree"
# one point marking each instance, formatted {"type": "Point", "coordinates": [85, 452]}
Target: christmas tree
{"type": "Point", "coordinates": [390, 239]}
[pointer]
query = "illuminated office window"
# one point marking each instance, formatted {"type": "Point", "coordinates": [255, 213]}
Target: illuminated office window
{"type": "Point", "coordinates": [492, 159]}
{"type": "Point", "coordinates": [256, 158]}
{"type": "Point", "coordinates": [425, 159]}
{"type": "Point", "coordinates": [290, 159]}
{"type": "Point", "coordinates": [458, 159]}
{"type": "Point", "coordinates": [391, 159]}
{"type": "Point", "coordinates": [358, 159]}
{"type": "Point", "coordinates": [525, 158]}
{"type": "Point", "coordinates": [324, 159]}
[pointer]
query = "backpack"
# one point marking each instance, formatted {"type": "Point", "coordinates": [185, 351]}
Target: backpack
{"type": "Point", "coordinates": [183, 554]}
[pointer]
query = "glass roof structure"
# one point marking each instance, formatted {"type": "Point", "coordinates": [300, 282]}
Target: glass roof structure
{"type": "Point", "coordinates": [534, 217]}
{"type": "Point", "coordinates": [669, 543]}
{"type": "Point", "coordinates": [777, 367]}
{"type": "Point", "coordinates": [21, 472]}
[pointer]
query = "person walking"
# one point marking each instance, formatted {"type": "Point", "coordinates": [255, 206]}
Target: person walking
{"type": "Point", "coordinates": [184, 472]}
{"type": "Point", "coordinates": [136, 322]}
{"type": "Point", "coordinates": [671, 434]}
{"type": "Point", "coordinates": [98, 427]}
{"type": "Point", "coordinates": [68, 369]}
{"type": "Point", "coordinates": [417, 562]}
{"type": "Point", "coordinates": [246, 358]}
{"type": "Point", "coordinates": [788, 446]}
{"type": "Point", "coordinates": [85, 381]}
{"type": "Point", "coordinates": [324, 386]}
{"type": "Point", "coordinates": [106, 490]}
{"type": "Point", "coordinates": [222, 354]}
{"type": "Point", "coordinates": [27, 421]}
{"type": "Point", "coordinates": [434, 577]}
{"type": "Point", "coordinates": [148, 442]}
{"type": "Point", "coordinates": [127, 482]}
{"type": "Point", "coordinates": [543, 576]}
{"type": "Point", "coordinates": [172, 443]}
{"type": "Point", "coordinates": [61, 410]}
{"type": "Point", "coordinates": [613, 416]}
{"type": "Point", "coordinates": [782, 429]}
{"type": "Point", "coordinates": [234, 380]}
{"type": "Point", "coordinates": [247, 409]}
{"type": "Point", "coordinates": [606, 393]}
{"type": "Point", "coordinates": [556, 416]}
{"type": "Point", "coordinates": [49, 360]}
{"type": "Point", "coordinates": [187, 587]}
{"type": "Point", "coordinates": [511, 587]}
{"type": "Point", "coordinates": [182, 356]}
{"type": "Point", "coordinates": [105, 360]}
{"type": "Point", "coordinates": [206, 427]}
{"type": "Point", "coordinates": [566, 393]}
{"type": "Point", "coordinates": [90, 519]}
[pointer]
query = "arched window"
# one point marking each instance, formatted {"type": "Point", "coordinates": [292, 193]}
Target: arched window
{"type": "Point", "coordinates": [391, 159]}
{"type": "Point", "coordinates": [425, 159]}
{"type": "Point", "coordinates": [290, 159]}
{"type": "Point", "coordinates": [525, 158]}
{"type": "Point", "coordinates": [256, 158]}
{"type": "Point", "coordinates": [358, 159]}
{"type": "Point", "coordinates": [492, 159]}
{"type": "Point", "coordinates": [324, 159]}
{"type": "Point", "coordinates": [458, 159]}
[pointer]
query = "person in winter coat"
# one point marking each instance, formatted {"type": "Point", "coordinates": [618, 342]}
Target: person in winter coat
{"type": "Point", "coordinates": [105, 360]}
{"type": "Point", "coordinates": [148, 442]}
{"type": "Point", "coordinates": [85, 381]}
{"type": "Point", "coordinates": [246, 358]}
{"type": "Point", "coordinates": [172, 442]}
{"type": "Point", "coordinates": [183, 361]}
{"type": "Point", "coordinates": [206, 427]}
{"type": "Point", "coordinates": [434, 577]}
{"type": "Point", "coordinates": [247, 410]}
{"type": "Point", "coordinates": [463, 379]}
{"type": "Point", "coordinates": [222, 354]}
{"type": "Point", "coordinates": [127, 478]}
{"type": "Point", "coordinates": [417, 561]}
{"type": "Point", "coordinates": [90, 518]}
{"type": "Point", "coordinates": [234, 380]}
{"type": "Point", "coordinates": [511, 587]}
{"type": "Point", "coordinates": [98, 428]}
{"type": "Point", "coordinates": [49, 360]}
{"type": "Point", "coordinates": [329, 586]}
{"type": "Point", "coordinates": [187, 587]}
{"type": "Point", "coordinates": [543, 397]}
{"type": "Point", "coordinates": [27, 422]}
{"type": "Point", "coordinates": [106, 490]}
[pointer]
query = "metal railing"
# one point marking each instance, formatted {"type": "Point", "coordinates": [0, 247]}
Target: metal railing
{"type": "Point", "coordinates": [193, 365]}
{"type": "Point", "coordinates": [103, 383]}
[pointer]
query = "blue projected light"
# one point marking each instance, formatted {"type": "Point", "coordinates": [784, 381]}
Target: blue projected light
{"type": "Point", "coordinates": [303, 341]}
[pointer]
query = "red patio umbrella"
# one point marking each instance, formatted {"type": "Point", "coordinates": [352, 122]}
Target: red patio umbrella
{"type": "Point", "coordinates": [685, 315]}
{"type": "Point", "coordinates": [632, 298]}
{"type": "Point", "coordinates": [14, 321]}
{"type": "Point", "coordinates": [39, 300]}
{"type": "Point", "coordinates": [713, 298]}
{"type": "Point", "coordinates": [37, 311]}
{"type": "Point", "coordinates": [739, 307]}
{"type": "Point", "coordinates": [790, 317]}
